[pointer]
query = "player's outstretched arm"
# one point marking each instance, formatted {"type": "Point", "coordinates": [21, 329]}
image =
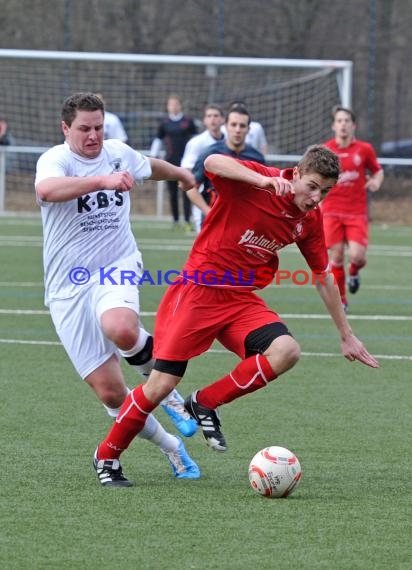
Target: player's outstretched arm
{"type": "Point", "coordinates": [163, 170]}
{"type": "Point", "coordinates": [64, 188]}
{"type": "Point", "coordinates": [227, 167]}
{"type": "Point", "coordinates": [197, 199]}
{"type": "Point", "coordinates": [352, 347]}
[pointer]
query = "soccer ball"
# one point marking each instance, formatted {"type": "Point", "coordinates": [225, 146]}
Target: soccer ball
{"type": "Point", "coordinates": [274, 472]}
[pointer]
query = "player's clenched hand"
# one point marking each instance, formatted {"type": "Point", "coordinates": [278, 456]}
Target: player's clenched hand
{"type": "Point", "coordinates": [122, 181]}
{"type": "Point", "coordinates": [186, 179]}
{"type": "Point", "coordinates": [353, 349]}
{"type": "Point", "coordinates": [279, 186]}
{"type": "Point", "coordinates": [371, 184]}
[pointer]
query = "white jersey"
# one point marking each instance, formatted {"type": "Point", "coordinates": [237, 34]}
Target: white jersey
{"type": "Point", "coordinates": [92, 231]}
{"type": "Point", "coordinates": [255, 137]}
{"type": "Point", "coordinates": [113, 128]}
{"type": "Point", "coordinates": [194, 148]}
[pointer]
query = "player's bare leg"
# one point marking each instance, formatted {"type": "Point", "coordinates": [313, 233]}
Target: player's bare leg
{"type": "Point", "coordinates": [357, 260]}
{"type": "Point", "coordinates": [106, 381]}
{"type": "Point", "coordinates": [249, 375]}
{"type": "Point", "coordinates": [337, 265]}
{"type": "Point", "coordinates": [122, 326]}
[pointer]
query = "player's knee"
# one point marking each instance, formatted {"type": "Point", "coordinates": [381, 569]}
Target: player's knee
{"type": "Point", "coordinates": [337, 256]}
{"type": "Point", "coordinates": [291, 351]}
{"type": "Point", "coordinates": [112, 401]}
{"type": "Point", "coordinates": [259, 340]}
{"type": "Point", "coordinates": [123, 335]}
{"type": "Point", "coordinates": [358, 259]}
{"type": "Point", "coordinates": [283, 353]}
{"type": "Point", "coordinates": [111, 397]}
{"type": "Point", "coordinates": [121, 326]}
{"type": "Point", "coordinates": [276, 342]}
{"type": "Point", "coordinates": [337, 260]}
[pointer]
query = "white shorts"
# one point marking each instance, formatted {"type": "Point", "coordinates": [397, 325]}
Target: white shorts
{"type": "Point", "coordinates": [77, 322]}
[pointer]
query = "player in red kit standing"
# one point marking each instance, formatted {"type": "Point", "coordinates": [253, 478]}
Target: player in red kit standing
{"type": "Point", "coordinates": [345, 209]}
{"type": "Point", "coordinates": [258, 211]}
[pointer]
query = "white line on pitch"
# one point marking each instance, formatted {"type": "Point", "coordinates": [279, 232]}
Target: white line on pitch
{"type": "Point", "coordinates": [21, 284]}
{"type": "Point", "coordinates": [330, 354]}
{"type": "Point", "coordinates": [33, 342]}
{"type": "Point", "coordinates": [211, 350]}
{"type": "Point", "coordinates": [166, 244]}
{"type": "Point", "coordinates": [23, 312]}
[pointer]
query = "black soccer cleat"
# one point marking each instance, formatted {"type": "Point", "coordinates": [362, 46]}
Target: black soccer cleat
{"type": "Point", "coordinates": [209, 422]}
{"type": "Point", "coordinates": [353, 283]}
{"type": "Point", "coordinates": [109, 472]}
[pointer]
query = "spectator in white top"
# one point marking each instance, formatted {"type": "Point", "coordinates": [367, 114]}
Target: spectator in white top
{"type": "Point", "coordinates": [213, 119]}
{"type": "Point", "coordinates": [113, 126]}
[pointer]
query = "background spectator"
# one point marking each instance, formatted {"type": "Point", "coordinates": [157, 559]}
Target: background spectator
{"type": "Point", "coordinates": [173, 133]}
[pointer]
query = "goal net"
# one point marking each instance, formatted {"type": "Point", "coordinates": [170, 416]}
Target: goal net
{"type": "Point", "coordinates": [292, 99]}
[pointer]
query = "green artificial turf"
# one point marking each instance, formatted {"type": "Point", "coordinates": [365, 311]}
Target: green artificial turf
{"type": "Point", "coordinates": [348, 424]}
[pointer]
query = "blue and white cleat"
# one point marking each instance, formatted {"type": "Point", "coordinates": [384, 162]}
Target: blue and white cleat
{"type": "Point", "coordinates": [182, 464]}
{"type": "Point", "coordinates": [173, 405]}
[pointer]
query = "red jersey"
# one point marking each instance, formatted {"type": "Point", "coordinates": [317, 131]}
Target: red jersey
{"type": "Point", "coordinates": [350, 196]}
{"type": "Point", "coordinates": [238, 244]}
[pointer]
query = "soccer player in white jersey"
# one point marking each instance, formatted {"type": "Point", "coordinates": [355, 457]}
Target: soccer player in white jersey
{"type": "Point", "coordinates": [92, 263]}
{"type": "Point", "coordinates": [213, 120]}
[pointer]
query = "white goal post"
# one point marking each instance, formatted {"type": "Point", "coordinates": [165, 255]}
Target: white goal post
{"type": "Point", "coordinates": [292, 98]}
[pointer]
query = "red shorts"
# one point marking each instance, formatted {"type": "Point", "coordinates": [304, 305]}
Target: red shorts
{"type": "Point", "coordinates": [344, 228]}
{"type": "Point", "coordinates": [190, 317]}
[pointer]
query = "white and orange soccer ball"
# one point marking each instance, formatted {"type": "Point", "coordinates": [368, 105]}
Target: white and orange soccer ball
{"type": "Point", "coordinates": [274, 472]}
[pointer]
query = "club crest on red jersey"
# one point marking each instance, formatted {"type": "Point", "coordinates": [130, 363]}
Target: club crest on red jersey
{"type": "Point", "coordinates": [297, 231]}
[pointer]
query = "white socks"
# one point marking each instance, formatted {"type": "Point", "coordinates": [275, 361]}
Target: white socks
{"type": "Point", "coordinates": [155, 433]}
{"type": "Point", "coordinates": [152, 431]}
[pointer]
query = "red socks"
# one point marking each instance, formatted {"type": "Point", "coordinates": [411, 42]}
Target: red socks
{"type": "Point", "coordinates": [354, 269]}
{"type": "Point", "coordinates": [339, 275]}
{"type": "Point", "coordinates": [129, 422]}
{"type": "Point", "coordinates": [249, 375]}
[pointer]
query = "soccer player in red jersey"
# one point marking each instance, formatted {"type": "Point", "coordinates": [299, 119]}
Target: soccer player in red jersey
{"type": "Point", "coordinates": [345, 208]}
{"type": "Point", "coordinates": [258, 211]}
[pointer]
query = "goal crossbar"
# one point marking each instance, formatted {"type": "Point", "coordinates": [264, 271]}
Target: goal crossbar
{"type": "Point", "coordinates": [292, 98]}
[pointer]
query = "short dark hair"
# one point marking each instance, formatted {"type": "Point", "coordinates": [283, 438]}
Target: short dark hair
{"type": "Point", "coordinates": [241, 109]}
{"type": "Point", "coordinates": [215, 108]}
{"type": "Point", "coordinates": [80, 102]}
{"type": "Point", "coordinates": [337, 108]}
{"type": "Point", "coordinates": [175, 96]}
{"type": "Point", "coordinates": [236, 102]}
{"type": "Point", "coordinates": [321, 160]}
